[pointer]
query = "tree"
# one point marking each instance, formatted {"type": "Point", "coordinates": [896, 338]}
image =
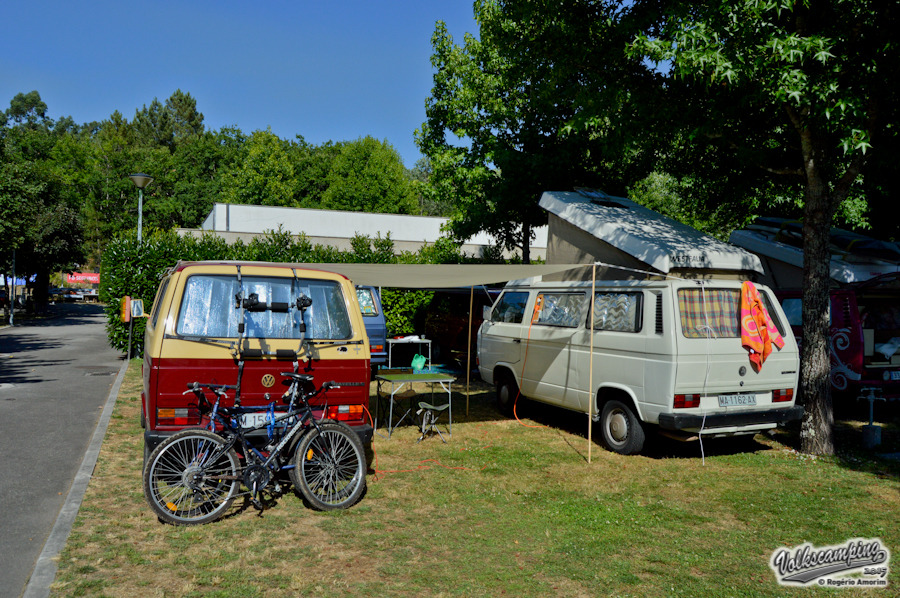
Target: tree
{"type": "Point", "coordinates": [36, 220]}
{"type": "Point", "coordinates": [265, 175]}
{"type": "Point", "coordinates": [311, 166]}
{"type": "Point", "coordinates": [429, 203]}
{"type": "Point", "coordinates": [538, 101]}
{"type": "Point", "coordinates": [368, 176]}
{"type": "Point", "coordinates": [800, 86]}
{"type": "Point", "coordinates": [187, 121]}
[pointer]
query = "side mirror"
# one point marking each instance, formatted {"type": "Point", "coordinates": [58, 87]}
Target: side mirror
{"type": "Point", "coordinates": [486, 313]}
{"type": "Point", "coordinates": [137, 308]}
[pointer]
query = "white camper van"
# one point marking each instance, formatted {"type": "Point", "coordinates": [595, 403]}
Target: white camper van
{"type": "Point", "coordinates": [664, 354]}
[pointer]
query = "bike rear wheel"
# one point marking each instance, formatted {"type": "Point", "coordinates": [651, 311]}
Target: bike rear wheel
{"type": "Point", "coordinates": [330, 467]}
{"type": "Point", "coordinates": [190, 478]}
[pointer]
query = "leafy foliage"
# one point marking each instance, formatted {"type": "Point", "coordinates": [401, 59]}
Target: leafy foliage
{"type": "Point", "coordinates": [541, 99]}
{"type": "Point", "coordinates": [367, 175]}
{"type": "Point", "coordinates": [39, 227]}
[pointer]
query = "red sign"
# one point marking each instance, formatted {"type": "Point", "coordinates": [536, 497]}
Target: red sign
{"type": "Point", "coordinates": [91, 277]}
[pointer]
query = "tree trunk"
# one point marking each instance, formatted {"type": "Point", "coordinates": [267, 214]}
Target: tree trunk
{"type": "Point", "coordinates": [816, 433]}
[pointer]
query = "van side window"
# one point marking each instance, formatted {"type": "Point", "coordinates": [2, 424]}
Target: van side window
{"type": "Point", "coordinates": [208, 308]}
{"type": "Point", "coordinates": [367, 306]}
{"type": "Point", "coordinates": [793, 309]}
{"type": "Point", "coordinates": [560, 309]}
{"type": "Point", "coordinates": [618, 312]}
{"type": "Point", "coordinates": [767, 301]}
{"type": "Point", "coordinates": [510, 308]}
{"type": "Point", "coordinates": [154, 317]}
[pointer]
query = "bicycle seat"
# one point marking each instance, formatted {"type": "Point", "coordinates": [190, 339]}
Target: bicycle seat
{"type": "Point", "coordinates": [297, 377]}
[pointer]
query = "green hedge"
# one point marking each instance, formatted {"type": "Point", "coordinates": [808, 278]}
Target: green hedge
{"type": "Point", "coordinates": [132, 269]}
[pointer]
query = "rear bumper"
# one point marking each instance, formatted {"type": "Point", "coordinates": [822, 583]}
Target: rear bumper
{"type": "Point", "coordinates": [692, 422]}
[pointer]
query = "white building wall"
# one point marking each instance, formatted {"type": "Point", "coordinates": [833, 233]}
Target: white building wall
{"type": "Point", "coordinates": [336, 228]}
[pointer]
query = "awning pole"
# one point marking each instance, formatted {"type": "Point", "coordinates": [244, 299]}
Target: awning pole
{"type": "Point", "coordinates": [591, 361]}
{"type": "Point", "coordinates": [469, 347]}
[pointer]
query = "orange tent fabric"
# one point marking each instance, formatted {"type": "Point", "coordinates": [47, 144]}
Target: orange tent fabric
{"type": "Point", "coordinates": [758, 332]}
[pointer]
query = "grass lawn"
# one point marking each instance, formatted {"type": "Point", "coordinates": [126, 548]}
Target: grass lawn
{"type": "Point", "coordinates": [503, 508]}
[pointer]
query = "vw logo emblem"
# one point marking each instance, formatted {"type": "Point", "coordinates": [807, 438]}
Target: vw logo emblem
{"type": "Point", "coordinates": [268, 380]}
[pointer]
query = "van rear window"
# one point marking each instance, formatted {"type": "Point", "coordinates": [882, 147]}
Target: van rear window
{"type": "Point", "coordinates": [716, 312]}
{"type": "Point", "coordinates": [367, 305]}
{"type": "Point", "coordinates": [208, 308]}
{"type": "Point", "coordinates": [710, 312]}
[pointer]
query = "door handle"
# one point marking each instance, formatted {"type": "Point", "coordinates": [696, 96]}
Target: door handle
{"type": "Point", "coordinates": [517, 340]}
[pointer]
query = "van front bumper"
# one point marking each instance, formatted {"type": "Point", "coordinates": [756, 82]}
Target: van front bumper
{"type": "Point", "coordinates": [685, 421]}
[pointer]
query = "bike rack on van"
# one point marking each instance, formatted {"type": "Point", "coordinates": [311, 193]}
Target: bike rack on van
{"type": "Point", "coordinates": [253, 304]}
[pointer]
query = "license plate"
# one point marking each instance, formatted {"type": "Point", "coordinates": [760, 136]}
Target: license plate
{"type": "Point", "coordinates": [895, 375]}
{"type": "Point", "coordinates": [253, 420]}
{"type": "Point", "coordinates": [736, 400]}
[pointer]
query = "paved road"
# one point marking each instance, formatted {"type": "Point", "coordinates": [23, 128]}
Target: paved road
{"type": "Point", "coordinates": [55, 376]}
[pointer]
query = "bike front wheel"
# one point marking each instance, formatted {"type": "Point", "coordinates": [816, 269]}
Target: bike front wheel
{"type": "Point", "coordinates": [329, 467]}
{"type": "Point", "coordinates": [191, 478]}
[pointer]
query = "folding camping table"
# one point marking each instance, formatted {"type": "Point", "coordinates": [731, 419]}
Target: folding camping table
{"type": "Point", "coordinates": [399, 381]}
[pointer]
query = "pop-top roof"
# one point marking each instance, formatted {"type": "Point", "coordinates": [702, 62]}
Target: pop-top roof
{"type": "Point", "coordinates": [658, 241]}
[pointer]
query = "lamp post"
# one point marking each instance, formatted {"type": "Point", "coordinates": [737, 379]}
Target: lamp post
{"type": "Point", "coordinates": [140, 180]}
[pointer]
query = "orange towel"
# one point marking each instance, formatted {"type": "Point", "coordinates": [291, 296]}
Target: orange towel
{"type": "Point", "coordinates": [758, 332]}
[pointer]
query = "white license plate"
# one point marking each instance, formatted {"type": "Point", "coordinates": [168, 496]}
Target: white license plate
{"type": "Point", "coordinates": [736, 400]}
{"type": "Point", "coordinates": [252, 420]}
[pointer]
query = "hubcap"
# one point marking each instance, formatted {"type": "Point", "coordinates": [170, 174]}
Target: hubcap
{"type": "Point", "coordinates": [618, 426]}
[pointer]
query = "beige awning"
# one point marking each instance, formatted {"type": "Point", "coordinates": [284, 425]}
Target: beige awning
{"type": "Point", "coordinates": [437, 276]}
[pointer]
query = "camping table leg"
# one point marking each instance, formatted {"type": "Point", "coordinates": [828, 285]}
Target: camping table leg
{"type": "Point", "coordinates": [449, 402]}
{"type": "Point", "coordinates": [396, 387]}
{"type": "Point", "coordinates": [391, 425]}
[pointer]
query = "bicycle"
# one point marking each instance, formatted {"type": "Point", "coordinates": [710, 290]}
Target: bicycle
{"type": "Point", "coordinates": [194, 476]}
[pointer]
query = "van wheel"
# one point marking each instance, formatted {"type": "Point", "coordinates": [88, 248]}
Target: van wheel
{"type": "Point", "coordinates": [622, 431]}
{"type": "Point", "coordinates": [507, 391]}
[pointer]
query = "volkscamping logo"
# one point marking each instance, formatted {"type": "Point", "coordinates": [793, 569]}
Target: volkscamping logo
{"type": "Point", "coordinates": [831, 566]}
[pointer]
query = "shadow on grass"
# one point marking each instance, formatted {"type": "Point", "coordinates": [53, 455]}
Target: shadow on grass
{"type": "Point", "coordinates": [848, 431]}
{"type": "Point", "coordinates": [483, 408]}
{"type": "Point", "coordinates": [849, 452]}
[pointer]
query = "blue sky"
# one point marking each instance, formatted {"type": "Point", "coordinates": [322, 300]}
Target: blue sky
{"type": "Point", "coordinates": [325, 70]}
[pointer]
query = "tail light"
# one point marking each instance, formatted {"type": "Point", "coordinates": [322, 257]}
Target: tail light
{"type": "Point", "coordinates": [177, 417]}
{"type": "Point", "coordinates": [343, 413]}
{"type": "Point", "coordinates": [376, 348]}
{"type": "Point", "coordinates": [686, 401]}
{"type": "Point", "coordinates": [782, 395]}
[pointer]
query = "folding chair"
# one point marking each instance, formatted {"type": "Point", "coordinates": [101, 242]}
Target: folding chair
{"type": "Point", "coordinates": [430, 415]}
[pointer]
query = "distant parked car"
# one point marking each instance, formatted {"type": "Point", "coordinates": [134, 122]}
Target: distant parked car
{"type": "Point", "coordinates": [376, 327]}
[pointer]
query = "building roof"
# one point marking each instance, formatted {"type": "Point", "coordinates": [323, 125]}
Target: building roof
{"type": "Point", "coordinates": [658, 241]}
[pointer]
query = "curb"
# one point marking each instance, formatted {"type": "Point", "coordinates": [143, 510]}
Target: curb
{"type": "Point", "coordinates": [45, 570]}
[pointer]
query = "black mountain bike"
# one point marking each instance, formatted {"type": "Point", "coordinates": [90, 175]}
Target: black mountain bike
{"type": "Point", "coordinates": [194, 476]}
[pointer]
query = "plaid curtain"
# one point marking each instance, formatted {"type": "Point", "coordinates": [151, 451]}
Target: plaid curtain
{"type": "Point", "coordinates": [710, 312]}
